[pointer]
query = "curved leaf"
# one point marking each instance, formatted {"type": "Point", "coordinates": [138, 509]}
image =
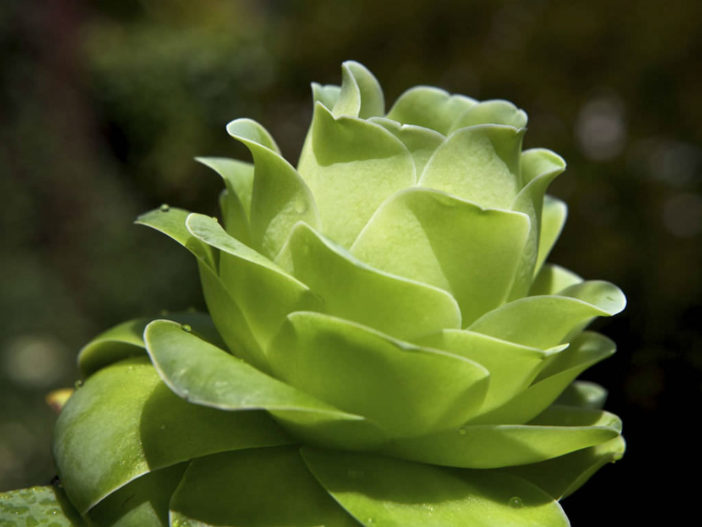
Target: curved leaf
{"type": "Point", "coordinates": [557, 431]}
{"type": "Point", "coordinates": [351, 166]}
{"type": "Point", "coordinates": [553, 217]}
{"type": "Point", "coordinates": [479, 164]}
{"type": "Point", "coordinates": [404, 389]}
{"type": "Point", "coordinates": [125, 408]}
{"type": "Point", "coordinates": [361, 94]}
{"type": "Point", "coordinates": [38, 506]}
{"type": "Point", "coordinates": [206, 375]}
{"type": "Point", "coordinates": [280, 197]}
{"type": "Point", "coordinates": [126, 340]}
{"type": "Point", "coordinates": [430, 107]}
{"type": "Point", "coordinates": [327, 94]}
{"type": "Point", "coordinates": [350, 289]}
{"type": "Point", "coordinates": [390, 492]}
{"type": "Point", "coordinates": [547, 320]}
{"type": "Point", "coordinates": [552, 279]}
{"type": "Point", "coordinates": [491, 112]}
{"type": "Point", "coordinates": [267, 487]}
{"type": "Point", "coordinates": [421, 142]}
{"type": "Point", "coordinates": [433, 238]}
{"type": "Point", "coordinates": [583, 394]}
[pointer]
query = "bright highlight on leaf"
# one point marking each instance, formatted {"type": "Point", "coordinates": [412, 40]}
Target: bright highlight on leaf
{"type": "Point", "coordinates": [385, 344]}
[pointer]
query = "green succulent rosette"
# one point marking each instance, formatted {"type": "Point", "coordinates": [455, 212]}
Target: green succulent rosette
{"type": "Point", "coordinates": [385, 344]}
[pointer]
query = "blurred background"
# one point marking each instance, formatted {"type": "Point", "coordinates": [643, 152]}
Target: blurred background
{"type": "Point", "coordinates": [104, 104]}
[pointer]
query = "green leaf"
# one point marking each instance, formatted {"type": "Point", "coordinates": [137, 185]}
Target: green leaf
{"type": "Point", "coordinates": [267, 487]}
{"type": "Point", "coordinates": [226, 314]}
{"type": "Point", "coordinates": [491, 112]}
{"type": "Point", "coordinates": [280, 198]}
{"type": "Point", "coordinates": [142, 502]}
{"type": "Point", "coordinates": [327, 94]}
{"type": "Point", "coordinates": [512, 367]}
{"type": "Point", "coordinates": [361, 94]}
{"type": "Point", "coordinates": [587, 349]}
{"type": "Point", "coordinates": [386, 492]}
{"type": "Point", "coordinates": [430, 107]}
{"type": "Point", "coordinates": [263, 291]}
{"type": "Point", "coordinates": [350, 289]}
{"type": "Point", "coordinates": [206, 375]}
{"type": "Point", "coordinates": [552, 279]}
{"type": "Point", "coordinates": [547, 320]}
{"type": "Point", "coordinates": [433, 238]}
{"type": "Point", "coordinates": [238, 179]}
{"type": "Point", "coordinates": [125, 409]}
{"type": "Point", "coordinates": [557, 431]}
{"type": "Point", "coordinates": [37, 506]}
{"type": "Point", "coordinates": [562, 476]}
{"type": "Point", "coordinates": [126, 340]}
{"type": "Point", "coordinates": [351, 166]}
{"type": "Point", "coordinates": [583, 394]}
{"type": "Point", "coordinates": [421, 142]}
{"type": "Point", "coordinates": [553, 217]}
{"type": "Point", "coordinates": [478, 164]}
{"type": "Point", "coordinates": [404, 389]}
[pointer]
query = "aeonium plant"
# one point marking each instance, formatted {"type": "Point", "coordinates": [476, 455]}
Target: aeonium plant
{"type": "Point", "coordinates": [384, 344]}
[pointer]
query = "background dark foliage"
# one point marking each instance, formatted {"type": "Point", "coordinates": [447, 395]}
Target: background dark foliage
{"type": "Point", "coordinates": [104, 104]}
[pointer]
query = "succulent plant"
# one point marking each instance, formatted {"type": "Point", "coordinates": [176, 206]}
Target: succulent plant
{"type": "Point", "coordinates": [385, 344]}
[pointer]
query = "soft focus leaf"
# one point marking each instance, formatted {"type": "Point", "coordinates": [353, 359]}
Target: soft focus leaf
{"type": "Point", "coordinates": [545, 321]}
{"type": "Point", "coordinates": [433, 238]}
{"type": "Point", "coordinates": [491, 112]}
{"type": "Point", "coordinates": [351, 166]}
{"type": "Point", "coordinates": [386, 492]}
{"type": "Point", "coordinates": [269, 487]}
{"type": "Point", "coordinates": [430, 107]}
{"type": "Point", "coordinates": [350, 289]}
{"type": "Point", "coordinates": [587, 349]}
{"type": "Point", "coordinates": [126, 340]}
{"type": "Point", "coordinates": [238, 179]}
{"type": "Point", "coordinates": [552, 279]}
{"type": "Point", "coordinates": [563, 475]}
{"type": "Point", "coordinates": [556, 432]}
{"type": "Point", "coordinates": [208, 376]}
{"type": "Point", "coordinates": [141, 503]}
{"type": "Point", "coordinates": [583, 394]}
{"type": "Point", "coordinates": [263, 291]}
{"type": "Point", "coordinates": [512, 367]}
{"type": "Point", "coordinates": [280, 197]}
{"type": "Point", "coordinates": [37, 506]}
{"type": "Point", "coordinates": [126, 409]}
{"type": "Point", "coordinates": [479, 164]}
{"type": "Point", "coordinates": [361, 94]}
{"type": "Point", "coordinates": [404, 389]}
{"type": "Point", "coordinates": [327, 94]}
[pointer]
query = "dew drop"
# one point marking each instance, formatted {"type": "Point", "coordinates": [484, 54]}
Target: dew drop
{"type": "Point", "coordinates": [165, 207]}
{"type": "Point", "coordinates": [300, 206]}
{"type": "Point", "coordinates": [516, 502]}
{"type": "Point", "coordinates": [78, 384]}
{"type": "Point", "coordinates": [186, 328]}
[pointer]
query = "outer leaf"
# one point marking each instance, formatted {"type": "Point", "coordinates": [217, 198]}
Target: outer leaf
{"type": "Point", "coordinates": [126, 409]}
{"type": "Point", "coordinates": [405, 389]}
{"type": "Point", "coordinates": [37, 506]}
{"type": "Point", "coordinates": [361, 94]}
{"type": "Point", "coordinates": [385, 492]}
{"type": "Point", "coordinates": [545, 321]}
{"type": "Point", "coordinates": [430, 107]}
{"type": "Point", "coordinates": [512, 367]}
{"type": "Point", "coordinates": [264, 292]}
{"type": "Point", "coordinates": [492, 112]}
{"type": "Point", "coordinates": [352, 290]}
{"type": "Point", "coordinates": [327, 94]}
{"type": "Point", "coordinates": [553, 217]}
{"type": "Point", "coordinates": [583, 394]}
{"type": "Point", "coordinates": [586, 350]}
{"type": "Point", "coordinates": [143, 502]}
{"type": "Point", "coordinates": [268, 487]}
{"type": "Point", "coordinates": [126, 340]}
{"type": "Point", "coordinates": [226, 313]}
{"type": "Point", "coordinates": [238, 179]}
{"type": "Point", "coordinates": [449, 243]}
{"type": "Point", "coordinates": [280, 197]}
{"type": "Point", "coordinates": [562, 476]}
{"type": "Point", "coordinates": [552, 279]}
{"type": "Point", "coordinates": [556, 432]}
{"type": "Point", "coordinates": [351, 166]}
{"type": "Point", "coordinates": [208, 376]}
{"type": "Point", "coordinates": [479, 164]}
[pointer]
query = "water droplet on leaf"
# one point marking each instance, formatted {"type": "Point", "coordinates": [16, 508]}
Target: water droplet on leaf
{"type": "Point", "coordinates": [186, 328]}
{"type": "Point", "coordinates": [516, 502]}
{"type": "Point", "coordinates": [165, 207]}
{"type": "Point", "coordinates": [78, 383]}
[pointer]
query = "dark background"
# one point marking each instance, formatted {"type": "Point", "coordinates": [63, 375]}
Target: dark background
{"type": "Point", "coordinates": [103, 105]}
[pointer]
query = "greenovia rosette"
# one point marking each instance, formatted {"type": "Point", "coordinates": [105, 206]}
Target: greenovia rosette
{"type": "Point", "coordinates": [385, 344]}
